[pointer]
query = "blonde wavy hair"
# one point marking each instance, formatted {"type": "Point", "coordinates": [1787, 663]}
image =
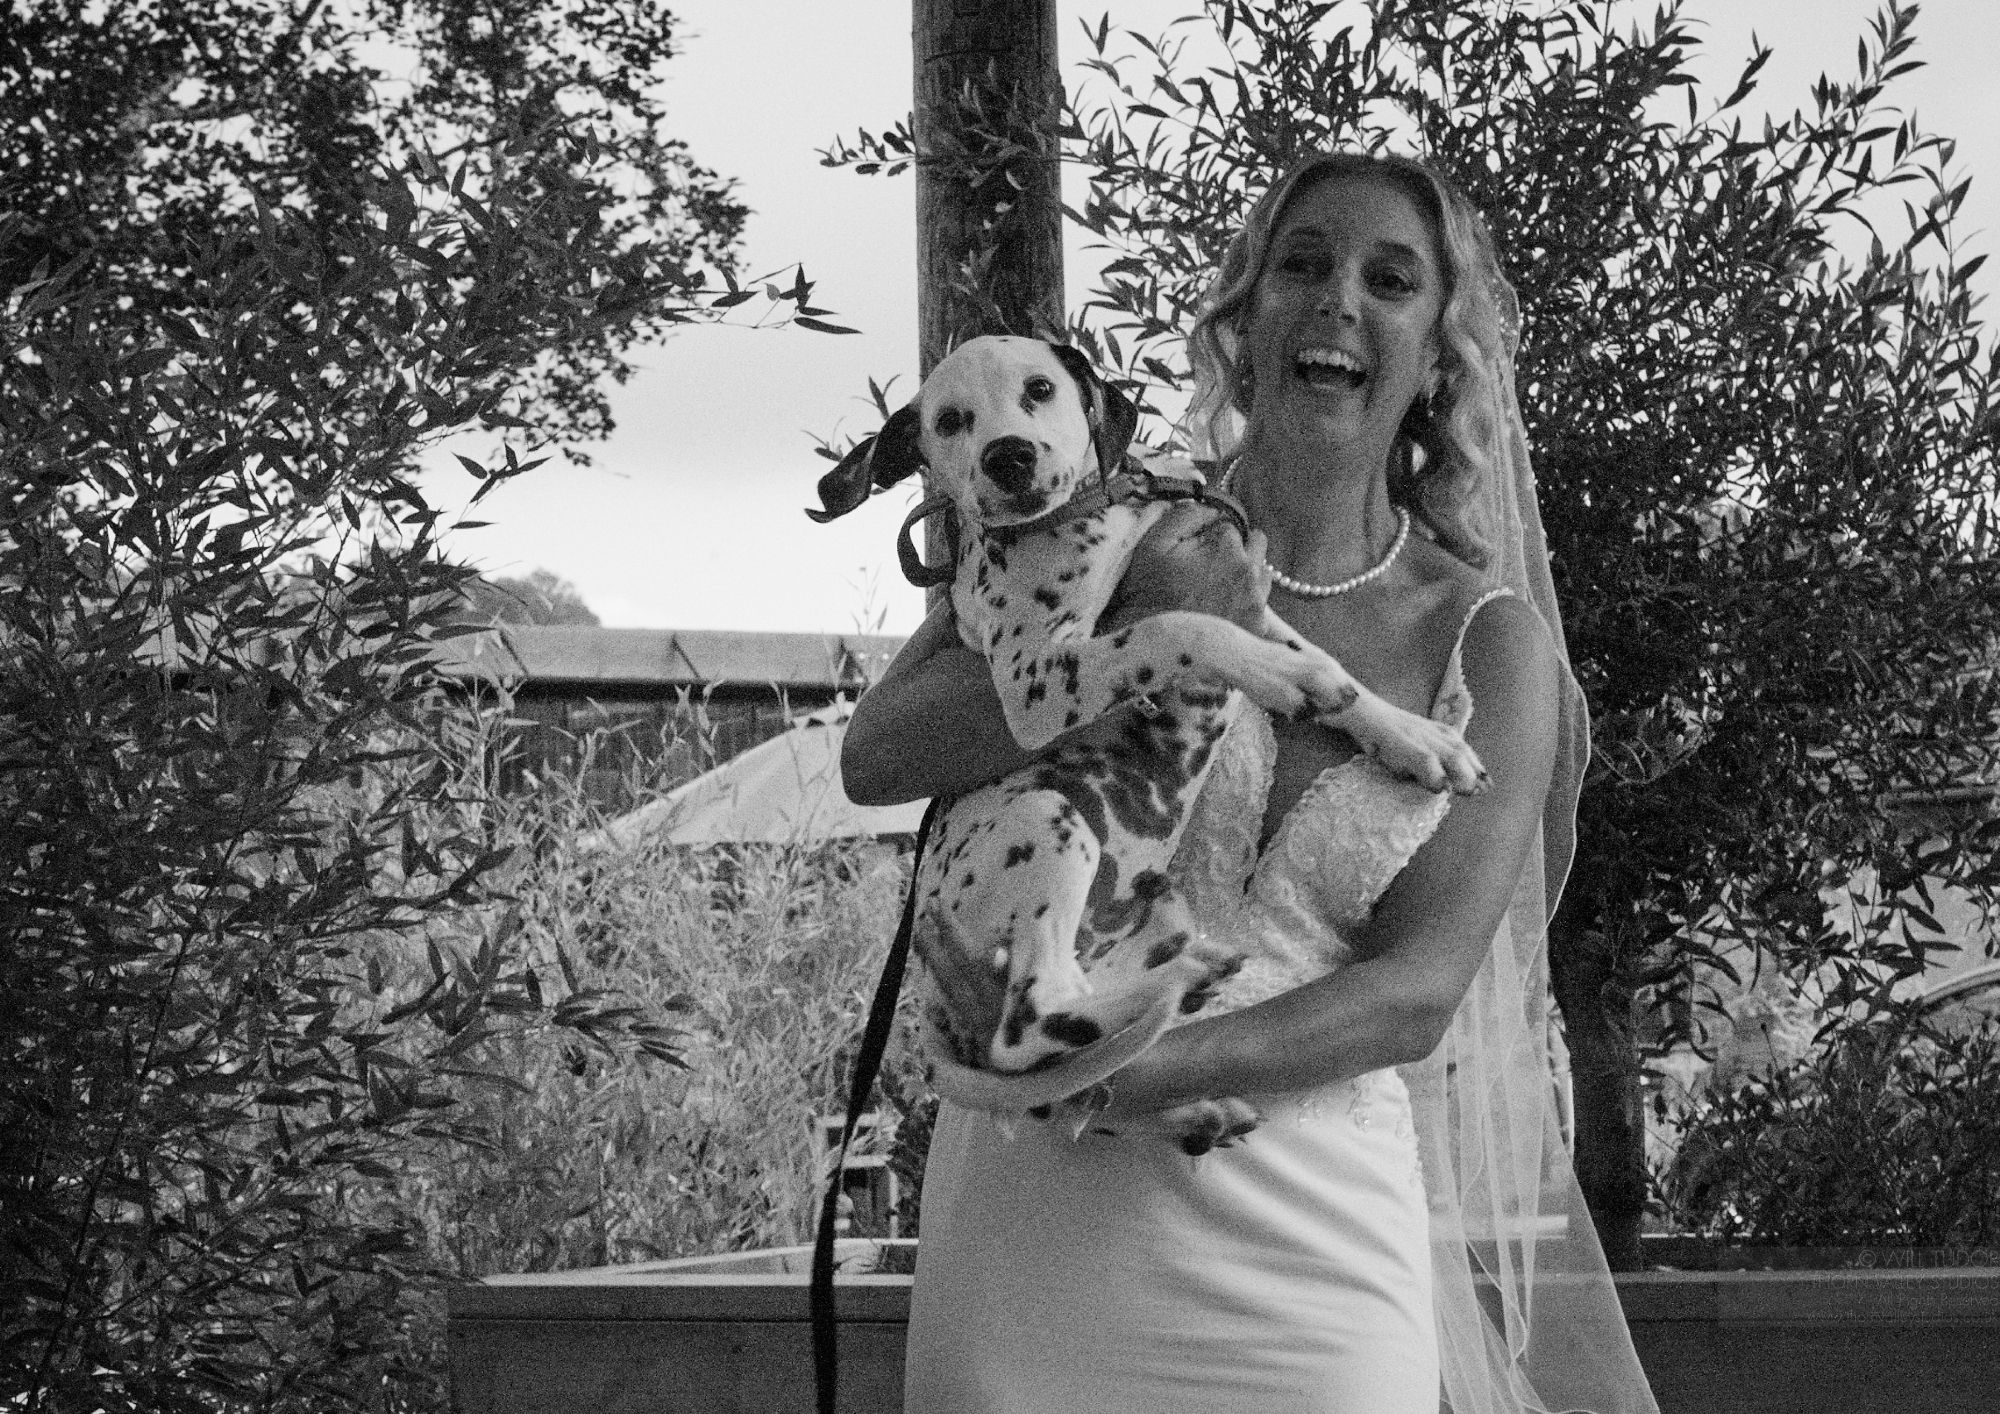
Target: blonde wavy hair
{"type": "Point", "coordinates": [1447, 448]}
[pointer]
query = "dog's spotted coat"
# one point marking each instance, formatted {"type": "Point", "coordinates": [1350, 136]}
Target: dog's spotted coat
{"type": "Point", "coordinates": [1047, 923]}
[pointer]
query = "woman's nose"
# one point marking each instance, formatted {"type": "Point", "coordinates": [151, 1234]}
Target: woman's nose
{"type": "Point", "coordinates": [1337, 300]}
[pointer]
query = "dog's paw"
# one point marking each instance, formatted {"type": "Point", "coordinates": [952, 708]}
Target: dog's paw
{"type": "Point", "coordinates": [1222, 964]}
{"type": "Point", "coordinates": [1433, 754]}
{"type": "Point", "coordinates": [1211, 1124]}
{"type": "Point", "coordinates": [1197, 1127]}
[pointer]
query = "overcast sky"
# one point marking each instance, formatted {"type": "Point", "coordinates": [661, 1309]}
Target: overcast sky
{"type": "Point", "coordinates": [691, 516]}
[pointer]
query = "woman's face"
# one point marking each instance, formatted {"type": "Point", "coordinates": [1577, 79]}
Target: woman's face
{"type": "Point", "coordinates": [1341, 330]}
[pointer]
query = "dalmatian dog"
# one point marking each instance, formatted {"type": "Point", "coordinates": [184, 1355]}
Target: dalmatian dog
{"type": "Point", "coordinates": [1054, 946]}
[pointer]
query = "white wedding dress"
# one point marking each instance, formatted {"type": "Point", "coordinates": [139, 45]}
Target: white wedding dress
{"type": "Point", "coordinates": [1288, 1274]}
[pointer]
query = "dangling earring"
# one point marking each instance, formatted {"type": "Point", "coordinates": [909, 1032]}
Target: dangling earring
{"type": "Point", "coordinates": [1407, 482]}
{"type": "Point", "coordinates": [1404, 484]}
{"type": "Point", "coordinates": [1417, 417]}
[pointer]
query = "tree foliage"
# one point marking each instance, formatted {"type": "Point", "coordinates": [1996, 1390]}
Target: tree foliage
{"type": "Point", "coordinates": [252, 897]}
{"type": "Point", "coordinates": [1885, 1137]}
{"type": "Point", "coordinates": [140, 130]}
{"type": "Point", "coordinates": [1763, 410]}
{"type": "Point", "coordinates": [539, 597]}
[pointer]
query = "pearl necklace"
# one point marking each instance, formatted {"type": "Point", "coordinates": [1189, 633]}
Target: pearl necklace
{"type": "Point", "coordinates": [1306, 589]}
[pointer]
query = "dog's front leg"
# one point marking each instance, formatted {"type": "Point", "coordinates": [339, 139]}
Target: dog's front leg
{"type": "Point", "coordinates": [1281, 671]}
{"type": "Point", "coordinates": [1050, 685]}
{"type": "Point", "coordinates": [1416, 748]}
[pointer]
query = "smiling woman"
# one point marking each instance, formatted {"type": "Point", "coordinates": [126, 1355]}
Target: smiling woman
{"type": "Point", "coordinates": [1355, 362]}
{"type": "Point", "coordinates": [1350, 302]}
{"type": "Point", "coordinates": [1348, 307]}
{"type": "Point", "coordinates": [1341, 350]}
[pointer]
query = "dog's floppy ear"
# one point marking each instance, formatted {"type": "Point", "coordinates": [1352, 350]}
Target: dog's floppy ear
{"type": "Point", "coordinates": [1113, 416]}
{"type": "Point", "coordinates": [875, 463]}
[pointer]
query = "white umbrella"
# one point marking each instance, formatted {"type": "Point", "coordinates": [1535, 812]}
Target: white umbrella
{"type": "Point", "coordinates": [784, 791]}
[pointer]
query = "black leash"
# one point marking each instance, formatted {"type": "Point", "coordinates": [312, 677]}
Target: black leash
{"type": "Point", "coordinates": [1136, 484]}
{"type": "Point", "coordinates": [867, 1064]}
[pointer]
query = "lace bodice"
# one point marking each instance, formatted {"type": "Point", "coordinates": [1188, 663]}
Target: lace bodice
{"type": "Point", "coordinates": [1291, 909]}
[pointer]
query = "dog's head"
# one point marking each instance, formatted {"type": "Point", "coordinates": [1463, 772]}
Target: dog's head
{"type": "Point", "coordinates": [1006, 427]}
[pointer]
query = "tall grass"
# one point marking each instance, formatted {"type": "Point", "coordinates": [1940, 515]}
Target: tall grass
{"type": "Point", "coordinates": [763, 958]}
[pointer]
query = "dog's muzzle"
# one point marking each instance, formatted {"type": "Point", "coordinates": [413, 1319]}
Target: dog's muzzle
{"type": "Point", "coordinates": [1009, 463]}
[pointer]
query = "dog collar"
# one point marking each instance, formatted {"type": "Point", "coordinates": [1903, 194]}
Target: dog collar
{"type": "Point", "coordinates": [1135, 483]}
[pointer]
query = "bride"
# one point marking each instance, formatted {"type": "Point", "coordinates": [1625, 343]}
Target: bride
{"type": "Point", "coordinates": [1354, 376]}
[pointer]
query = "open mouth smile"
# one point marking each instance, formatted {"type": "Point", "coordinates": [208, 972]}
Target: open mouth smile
{"type": "Point", "coordinates": [1329, 368]}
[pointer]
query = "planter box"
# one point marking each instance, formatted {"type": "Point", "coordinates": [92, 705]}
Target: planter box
{"type": "Point", "coordinates": [729, 1336]}
{"type": "Point", "coordinates": [704, 1335]}
{"type": "Point", "coordinates": [1699, 1254]}
{"type": "Point", "coordinates": [1818, 1342]}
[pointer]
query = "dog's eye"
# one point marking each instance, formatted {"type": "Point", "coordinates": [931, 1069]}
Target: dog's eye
{"type": "Point", "coordinates": [950, 422]}
{"type": "Point", "coordinates": [1041, 389]}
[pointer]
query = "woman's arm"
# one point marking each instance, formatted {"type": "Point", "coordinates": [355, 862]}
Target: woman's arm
{"type": "Point", "coordinates": [934, 725]}
{"type": "Point", "coordinates": [1428, 934]}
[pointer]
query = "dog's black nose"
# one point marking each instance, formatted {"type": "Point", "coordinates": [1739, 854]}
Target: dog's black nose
{"type": "Point", "coordinates": [1009, 463]}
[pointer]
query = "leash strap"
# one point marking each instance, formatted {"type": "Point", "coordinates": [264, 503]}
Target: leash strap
{"type": "Point", "coordinates": [867, 1064]}
{"type": "Point", "coordinates": [914, 569]}
{"type": "Point", "coordinates": [1188, 488]}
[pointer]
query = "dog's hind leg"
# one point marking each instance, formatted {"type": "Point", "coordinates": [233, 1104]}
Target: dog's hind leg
{"type": "Point", "coordinates": [1165, 952]}
{"type": "Point", "coordinates": [963, 991]}
{"type": "Point", "coordinates": [1027, 894]}
{"type": "Point", "coordinates": [1164, 959]}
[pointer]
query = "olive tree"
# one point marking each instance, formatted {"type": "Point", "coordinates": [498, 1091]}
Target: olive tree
{"type": "Point", "coordinates": [1763, 412]}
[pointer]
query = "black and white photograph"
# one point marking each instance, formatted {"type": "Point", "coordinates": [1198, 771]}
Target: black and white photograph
{"type": "Point", "coordinates": [999, 707]}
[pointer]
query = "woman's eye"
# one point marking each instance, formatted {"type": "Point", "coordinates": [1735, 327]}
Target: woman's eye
{"type": "Point", "coordinates": [949, 421]}
{"type": "Point", "coordinates": [1395, 281]}
{"type": "Point", "coordinates": [1306, 267]}
{"type": "Point", "coordinates": [1041, 389]}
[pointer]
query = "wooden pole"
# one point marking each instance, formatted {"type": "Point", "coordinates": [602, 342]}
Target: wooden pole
{"type": "Point", "coordinates": [989, 233]}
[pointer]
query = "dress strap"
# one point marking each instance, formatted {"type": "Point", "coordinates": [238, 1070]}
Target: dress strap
{"type": "Point", "coordinates": [1454, 699]}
